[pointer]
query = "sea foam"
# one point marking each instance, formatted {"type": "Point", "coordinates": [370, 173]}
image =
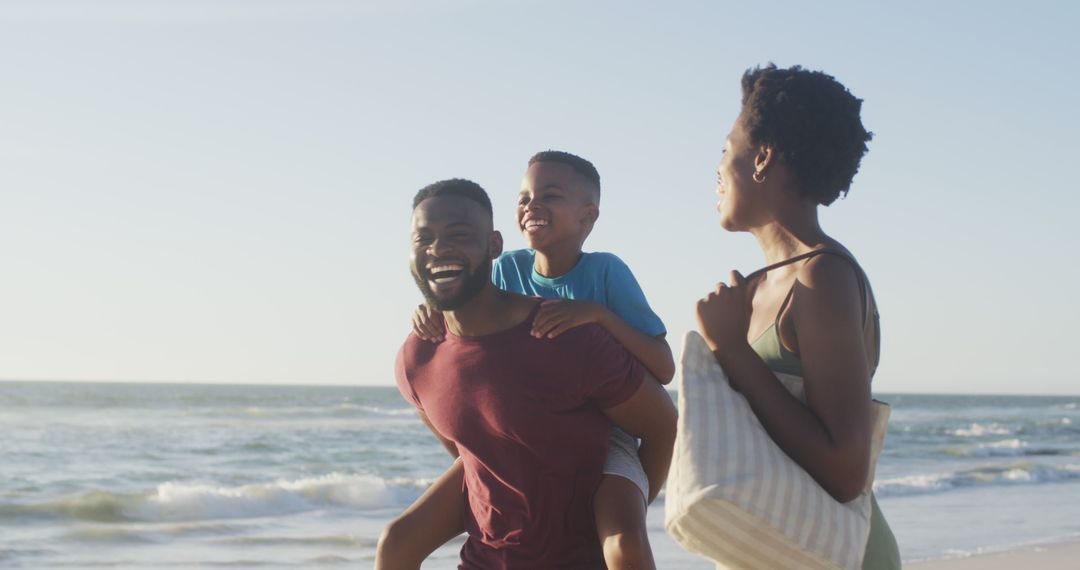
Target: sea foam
{"type": "Point", "coordinates": [194, 502]}
{"type": "Point", "coordinates": [1003, 448]}
{"type": "Point", "coordinates": [1019, 473]}
{"type": "Point", "coordinates": [981, 430]}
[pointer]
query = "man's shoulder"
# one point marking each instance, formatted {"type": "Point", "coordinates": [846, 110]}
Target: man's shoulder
{"type": "Point", "coordinates": [416, 349]}
{"type": "Point", "coordinates": [583, 338]}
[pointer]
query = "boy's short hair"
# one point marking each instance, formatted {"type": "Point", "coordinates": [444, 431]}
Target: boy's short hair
{"type": "Point", "coordinates": [580, 165]}
{"type": "Point", "coordinates": [455, 187]}
{"type": "Point", "coordinates": [812, 121]}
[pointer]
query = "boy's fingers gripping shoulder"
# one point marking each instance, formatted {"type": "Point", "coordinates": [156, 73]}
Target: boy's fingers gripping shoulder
{"type": "Point", "coordinates": [560, 328]}
{"type": "Point", "coordinates": [418, 325]}
{"type": "Point", "coordinates": [427, 323]}
{"type": "Point", "coordinates": [540, 329]}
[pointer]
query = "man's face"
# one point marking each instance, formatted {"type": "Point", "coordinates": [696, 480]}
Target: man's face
{"type": "Point", "coordinates": [452, 247]}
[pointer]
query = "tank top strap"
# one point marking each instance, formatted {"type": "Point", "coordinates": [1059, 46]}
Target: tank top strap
{"type": "Point", "coordinates": [863, 282]}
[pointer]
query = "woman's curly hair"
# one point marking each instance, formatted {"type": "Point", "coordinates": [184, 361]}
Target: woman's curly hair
{"type": "Point", "coordinates": [812, 121]}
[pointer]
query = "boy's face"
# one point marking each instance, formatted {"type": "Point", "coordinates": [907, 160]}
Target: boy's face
{"type": "Point", "coordinates": [556, 206]}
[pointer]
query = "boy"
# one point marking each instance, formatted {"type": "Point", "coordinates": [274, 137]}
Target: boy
{"type": "Point", "coordinates": [556, 211]}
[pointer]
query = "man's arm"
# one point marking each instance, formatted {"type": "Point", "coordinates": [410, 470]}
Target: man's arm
{"type": "Point", "coordinates": [449, 445]}
{"type": "Point", "coordinates": [650, 415]}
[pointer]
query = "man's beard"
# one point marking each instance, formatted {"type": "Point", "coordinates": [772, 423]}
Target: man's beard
{"type": "Point", "coordinates": [474, 283]}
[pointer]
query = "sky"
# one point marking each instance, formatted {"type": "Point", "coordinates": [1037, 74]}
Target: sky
{"type": "Point", "coordinates": [220, 191]}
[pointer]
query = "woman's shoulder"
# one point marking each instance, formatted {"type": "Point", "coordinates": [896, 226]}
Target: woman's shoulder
{"type": "Point", "coordinates": [832, 279]}
{"type": "Point", "coordinates": [832, 283]}
{"type": "Point", "coordinates": [835, 262]}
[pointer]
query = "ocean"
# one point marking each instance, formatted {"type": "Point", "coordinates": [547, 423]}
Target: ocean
{"type": "Point", "coordinates": [109, 475]}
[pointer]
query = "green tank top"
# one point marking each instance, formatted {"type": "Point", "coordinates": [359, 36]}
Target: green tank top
{"type": "Point", "coordinates": [882, 551]}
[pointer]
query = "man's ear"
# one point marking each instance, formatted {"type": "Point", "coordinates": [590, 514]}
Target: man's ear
{"type": "Point", "coordinates": [495, 244]}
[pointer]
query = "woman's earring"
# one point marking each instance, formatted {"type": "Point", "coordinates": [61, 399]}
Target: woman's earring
{"type": "Point", "coordinates": [758, 177]}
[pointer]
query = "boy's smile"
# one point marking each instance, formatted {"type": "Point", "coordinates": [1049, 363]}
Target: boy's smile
{"type": "Point", "coordinates": [555, 207]}
{"type": "Point", "coordinates": [534, 224]}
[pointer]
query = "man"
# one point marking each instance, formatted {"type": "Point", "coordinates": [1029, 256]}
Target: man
{"type": "Point", "coordinates": [529, 417]}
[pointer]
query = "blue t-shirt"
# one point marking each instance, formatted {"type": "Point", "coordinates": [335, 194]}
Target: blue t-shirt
{"type": "Point", "coordinates": [598, 277]}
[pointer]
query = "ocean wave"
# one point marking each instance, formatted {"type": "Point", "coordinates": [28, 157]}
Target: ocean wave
{"type": "Point", "coordinates": [1020, 473]}
{"type": "Point", "coordinates": [1003, 448]}
{"type": "Point", "coordinates": [147, 533]}
{"type": "Point", "coordinates": [175, 501]}
{"type": "Point", "coordinates": [390, 411]}
{"type": "Point", "coordinates": [982, 430]}
{"type": "Point", "coordinates": [345, 409]}
{"type": "Point", "coordinates": [342, 541]}
{"type": "Point", "coordinates": [330, 559]}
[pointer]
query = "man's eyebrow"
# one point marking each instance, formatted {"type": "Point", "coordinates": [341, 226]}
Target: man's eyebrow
{"type": "Point", "coordinates": [551, 186]}
{"type": "Point", "coordinates": [449, 225]}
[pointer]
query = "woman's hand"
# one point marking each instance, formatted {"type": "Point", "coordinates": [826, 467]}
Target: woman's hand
{"type": "Point", "coordinates": [724, 315]}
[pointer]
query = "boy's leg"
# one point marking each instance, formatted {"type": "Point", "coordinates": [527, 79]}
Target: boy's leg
{"type": "Point", "coordinates": [620, 504]}
{"type": "Point", "coordinates": [435, 518]}
{"type": "Point", "coordinates": [620, 522]}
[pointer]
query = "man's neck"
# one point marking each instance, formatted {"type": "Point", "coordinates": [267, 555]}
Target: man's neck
{"type": "Point", "coordinates": [492, 310]}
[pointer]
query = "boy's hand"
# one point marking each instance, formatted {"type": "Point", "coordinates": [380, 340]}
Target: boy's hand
{"type": "Point", "coordinates": [557, 316]}
{"type": "Point", "coordinates": [724, 314]}
{"type": "Point", "coordinates": [428, 324]}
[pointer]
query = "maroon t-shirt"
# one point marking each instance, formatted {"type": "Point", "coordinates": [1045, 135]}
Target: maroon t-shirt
{"type": "Point", "coordinates": [525, 415]}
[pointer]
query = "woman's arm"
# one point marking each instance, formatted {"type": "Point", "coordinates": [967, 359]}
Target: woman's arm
{"type": "Point", "coordinates": [830, 436]}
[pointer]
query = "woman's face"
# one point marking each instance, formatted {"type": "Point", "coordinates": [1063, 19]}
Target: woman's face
{"type": "Point", "coordinates": [739, 195]}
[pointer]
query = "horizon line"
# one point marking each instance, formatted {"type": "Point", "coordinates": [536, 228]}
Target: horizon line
{"type": "Point", "coordinates": [392, 385]}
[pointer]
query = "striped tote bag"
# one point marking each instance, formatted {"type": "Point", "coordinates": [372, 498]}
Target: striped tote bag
{"type": "Point", "coordinates": [735, 497]}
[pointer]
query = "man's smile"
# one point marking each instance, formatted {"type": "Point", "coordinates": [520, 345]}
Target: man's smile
{"type": "Point", "coordinates": [445, 272]}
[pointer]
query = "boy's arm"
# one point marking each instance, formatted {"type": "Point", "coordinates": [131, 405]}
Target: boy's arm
{"type": "Point", "coordinates": [652, 351]}
{"type": "Point", "coordinates": [560, 315]}
{"type": "Point", "coordinates": [649, 415]}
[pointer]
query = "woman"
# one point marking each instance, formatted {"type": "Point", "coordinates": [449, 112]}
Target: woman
{"type": "Point", "coordinates": [796, 145]}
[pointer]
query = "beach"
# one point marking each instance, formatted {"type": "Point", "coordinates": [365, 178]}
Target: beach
{"type": "Point", "coordinates": [1053, 556]}
{"type": "Point", "coordinates": [152, 476]}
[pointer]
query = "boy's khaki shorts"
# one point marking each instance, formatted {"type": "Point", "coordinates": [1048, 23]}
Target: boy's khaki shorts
{"type": "Point", "coordinates": [622, 460]}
